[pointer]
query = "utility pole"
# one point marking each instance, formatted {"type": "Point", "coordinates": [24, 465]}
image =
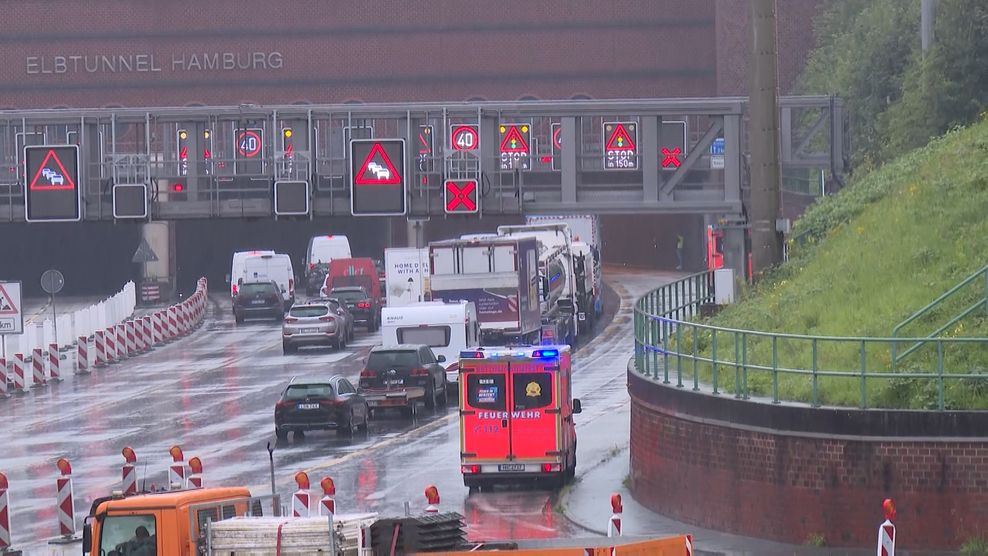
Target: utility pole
{"type": "Point", "coordinates": [927, 14]}
{"type": "Point", "coordinates": [763, 210]}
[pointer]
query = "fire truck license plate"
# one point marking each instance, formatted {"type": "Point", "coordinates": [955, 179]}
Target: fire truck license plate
{"type": "Point", "coordinates": [511, 467]}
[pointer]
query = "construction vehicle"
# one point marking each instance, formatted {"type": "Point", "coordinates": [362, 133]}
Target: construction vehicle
{"type": "Point", "coordinates": [566, 270]}
{"type": "Point", "coordinates": [500, 276]}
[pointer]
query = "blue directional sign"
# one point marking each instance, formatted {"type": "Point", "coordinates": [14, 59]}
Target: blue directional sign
{"type": "Point", "coordinates": [717, 147]}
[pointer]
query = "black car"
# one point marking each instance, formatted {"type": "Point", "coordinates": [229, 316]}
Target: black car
{"type": "Point", "coordinates": [315, 404]}
{"type": "Point", "coordinates": [258, 300]}
{"type": "Point", "coordinates": [402, 367]}
{"type": "Point", "coordinates": [365, 309]}
{"type": "Point", "coordinates": [315, 277]}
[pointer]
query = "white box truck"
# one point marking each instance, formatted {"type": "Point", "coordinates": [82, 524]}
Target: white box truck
{"type": "Point", "coordinates": [406, 275]}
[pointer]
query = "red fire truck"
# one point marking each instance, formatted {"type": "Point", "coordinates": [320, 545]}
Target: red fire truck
{"type": "Point", "coordinates": [516, 415]}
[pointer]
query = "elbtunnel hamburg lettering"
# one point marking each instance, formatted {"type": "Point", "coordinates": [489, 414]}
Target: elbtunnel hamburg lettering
{"type": "Point", "coordinates": [151, 63]}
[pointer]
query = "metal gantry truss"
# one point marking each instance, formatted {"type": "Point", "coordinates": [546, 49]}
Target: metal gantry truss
{"type": "Point", "coordinates": [223, 179]}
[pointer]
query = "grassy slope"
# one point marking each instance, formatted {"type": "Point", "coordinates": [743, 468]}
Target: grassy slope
{"type": "Point", "coordinates": [887, 245]}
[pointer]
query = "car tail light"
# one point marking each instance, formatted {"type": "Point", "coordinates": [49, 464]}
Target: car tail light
{"type": "Point", "coordinates": [420, 372]}
{"type": "Point", "coordinates": [290, 320]}
{"type": "Point", "coordinates": [234, 289]}
{"type": "Point", "coordinates": [363, 305]}
{"type": "Point", "coordinates": [332, 403]}
{"type": "Point", "coordinates": [368, 374]}
{"type": "Point", "coordinates": [550, 467]}
{"type": "Point", "coordinates": [282, 404]}
{"type": "Point", "coordinates": [326, 318]}
{"type": "Point", "coordinates": [470, 469]}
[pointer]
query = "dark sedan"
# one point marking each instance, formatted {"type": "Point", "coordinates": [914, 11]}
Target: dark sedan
{"type": "Point", "coordinates": [314, 404]}
{"type": "Point", "coordinates": [258, 299]}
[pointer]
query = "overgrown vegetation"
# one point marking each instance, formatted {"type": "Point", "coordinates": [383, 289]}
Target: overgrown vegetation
{"type": "Point", "coordinates": [867, 258]}
{"type": "Point", "coordinates": [898, 97]}
{"type": "Point", "coordinates": [977, 546]}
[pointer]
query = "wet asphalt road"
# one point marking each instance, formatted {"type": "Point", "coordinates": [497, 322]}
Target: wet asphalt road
{"type": "Point", "coordinates": [213, 394]}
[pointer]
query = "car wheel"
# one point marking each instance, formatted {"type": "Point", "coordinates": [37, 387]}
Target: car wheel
{"type": "Point", "coordinates": [348, 430]}
{"type": "Point", "coordinates": [299, 435]}
{"type": "Point", "coordinates": [280, 433]}
{"type": "Point", "coordinates": [444, 393]}
{"type": "Point", "coordinates": [430, 397]}
{"type": "Point", "coordinates": [239, 319]}
{"type": "Point", "coordinates": [364, 425]}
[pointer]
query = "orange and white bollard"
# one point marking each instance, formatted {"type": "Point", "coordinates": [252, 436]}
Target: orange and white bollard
{"type": "Point", "coordinates": [432, 499]}
{"type": "Point", "coordinates": [146, 327]}
{"type": "Point", "coordinates": [66, 507]}
{"type": "Point", "coordinates": [82, 355]}
{"type": "Point", "coordinates": [300, 498]}
{"type": "Point", "coordinates": [886, 531]}
{"type": "Point", "coordinates": [327, 506]}
{"type": "Point", "coordinates": [4, 514]}
{"type": "Point", "coordinates": [17, 373]}
{"type": "Point", "coordinates": [614, 524]}
{"type": "Point", "coordinates": [38, 365]}
{"type": "Point", "coordinates": [195, 472]}
{"type": "Point", "coordinates": [689, 545]}
{"type": "Point", "coordinates": [54, 363]}
{"type": "Point", "coordinates": [128, 473]}
{"type": "Point", "coordinates": [176, 471]}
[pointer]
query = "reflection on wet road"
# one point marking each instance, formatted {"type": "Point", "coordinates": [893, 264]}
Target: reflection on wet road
{"type": "Point", "coordinates": [213, 394]}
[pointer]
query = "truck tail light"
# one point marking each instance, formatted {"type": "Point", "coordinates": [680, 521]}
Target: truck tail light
{"type": "Point", "coordinates": [420, 372]}
{"type": "Point", "coordinates": [550, 467]}
{"type": "Point", "coordinates": [368, 374]}
{"type": "Point", "coordinates": [470, 469]}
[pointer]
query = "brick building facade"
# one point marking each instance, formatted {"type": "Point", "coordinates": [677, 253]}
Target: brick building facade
{"type": "Point", "coordinates": [93, 53]}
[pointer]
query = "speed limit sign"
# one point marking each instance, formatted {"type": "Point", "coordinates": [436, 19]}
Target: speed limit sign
{"type": "Point", "coordinates": [464, 137]}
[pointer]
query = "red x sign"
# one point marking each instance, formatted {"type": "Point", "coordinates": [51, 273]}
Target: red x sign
{"type": "Point", "coordinates": [461, 196]}
{"type": "Point", "coordinates": [671, 159]}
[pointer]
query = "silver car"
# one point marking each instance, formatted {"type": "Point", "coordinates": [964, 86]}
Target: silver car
{"type": "Point", "coordinates": [313, 324]}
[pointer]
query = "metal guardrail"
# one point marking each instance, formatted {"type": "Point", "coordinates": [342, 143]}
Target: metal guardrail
{"type": "Point", "coordinates": [981, 277]}
{"type": "Point", "coordinates": [786, 367]}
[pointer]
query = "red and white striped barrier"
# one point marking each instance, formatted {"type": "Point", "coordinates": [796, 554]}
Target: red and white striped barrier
{"type": "Point", "coordinates": [157, 332]}
{"type": "Point", "coordinates": [3, 376]}
{"type": "Point", "coordinates": [120, 331]}
{"type": "Point", "coordinates": [432, 499]}
{"type": "Point", "coordinates": [886, 531]}
{"type": "Point", "coordinates": [110, 341]}
{"type": "Point", "coordinates": [146, 333]}
{"type": "Point", "coordinates": [689, 545]}
{"type": "Point", "coordinates": [99, 346]}
{"type": "Point", "coordinates": [300, 498]}
{"type": "Point", "coordinates": [17, 373]}
{"type": "Point", "coordinates": [38, 366]}
{"type": "Point", "coordinates": [176, 471]}
{"type": "Point", "coordinates": [4, 514]}
{"type": "Point", "coordinates": [195, 472]}
{"type": "Point", "coordinates": [614, 523]}
{"type": "Point", "coordinates": [82, 355]}
{"type": "Point", "coordinates": [65, 503]}
{"type": "Point", "coordinates": [128, 473]}
{"type": "Point", "coordinates": [130, 334]}
{"type": "Point", "coordinates": [172, 323]}
{"type": "Point", "coordinates": [54, 363]}
{"type": "Point", "coordinates": [327, 506]}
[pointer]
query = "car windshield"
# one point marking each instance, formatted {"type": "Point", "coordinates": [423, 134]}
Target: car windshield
{"type": "Point", "coordinates": [308, 311]}
{"type": "Point", "coordinates": [302, 391]}
{"type": "Point", "coordinates": [256, 289]}
{"type": "Point", "coordinates": [349, 295]}
{"type": "Point", "coordinates": [383, 360]}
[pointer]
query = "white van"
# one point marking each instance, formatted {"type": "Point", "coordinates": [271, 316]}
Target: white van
{"type": "Point", "coordinates": [276, 267]}
{"type": "Point", "coordinates": [237, 268]}
{"type": "Point", "coordinates": [321, 251]}
{"type": "Point", "coordinates": [447, 328]}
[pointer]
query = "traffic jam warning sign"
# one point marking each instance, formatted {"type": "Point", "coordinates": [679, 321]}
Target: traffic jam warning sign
{"type": "Point", "coordinates": [51, 183]}
{"type": "Point", "coordinates": [515, 151]}
{"type": "Point", "coordinates": [377, 177]}
{"type": "Point", "coordinates": [461, 196]}
{"type": "Point", "coordinates": [620, 145]}
{"type": "Point", "coordinates": [11, 317]}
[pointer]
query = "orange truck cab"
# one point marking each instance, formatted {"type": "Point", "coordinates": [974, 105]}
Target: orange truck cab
{"type": "Point", "coordinates": [516, 415]}
{"type": "Point", "coordinates": [171, 523]}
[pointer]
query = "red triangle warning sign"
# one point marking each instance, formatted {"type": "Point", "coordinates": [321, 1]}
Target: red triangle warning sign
{"type": "Point", "coordinates": [51, 175]}
{"type": "Point", "coordinates": [377, 169]}
{"type": "Point", "coordinates": [514, 141]}
{"type": "Point", "coordinates": [7, 307]}
{"type": "Point", "coordinates": [620, 139]}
